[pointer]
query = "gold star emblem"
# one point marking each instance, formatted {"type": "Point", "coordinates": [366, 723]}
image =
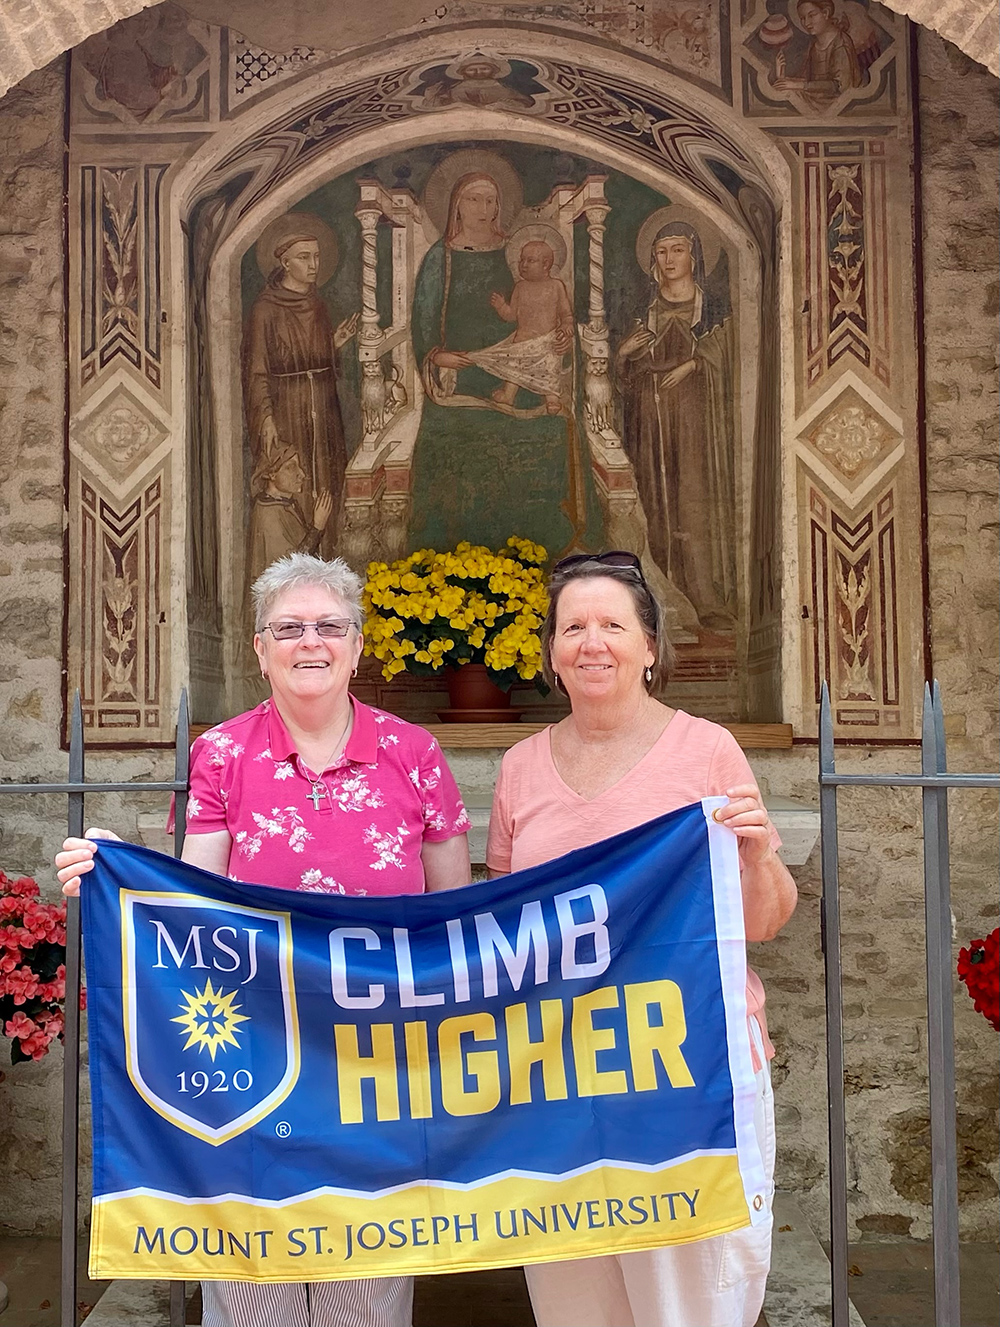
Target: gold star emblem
{"type": "Point", "coordinates": [210, 1019]}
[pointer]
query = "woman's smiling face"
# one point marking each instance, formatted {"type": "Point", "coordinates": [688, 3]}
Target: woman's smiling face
{"type": "Point", "coordinates": [599, 648]}
{"type": "Point", "coordinates": [310, 666]}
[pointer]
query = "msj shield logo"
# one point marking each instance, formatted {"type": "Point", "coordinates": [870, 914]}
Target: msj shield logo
{"type": "Point", "coordinates": [211, 1028]}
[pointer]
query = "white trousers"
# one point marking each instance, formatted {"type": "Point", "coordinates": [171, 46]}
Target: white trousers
{"type": "Point", "coordinates": [717, 1282]}
{"type": "Point", "coordinates": [384, 1301]}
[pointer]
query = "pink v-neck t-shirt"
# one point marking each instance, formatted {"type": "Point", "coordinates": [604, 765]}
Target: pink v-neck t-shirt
{"type": "Point", "coordinates": [536, 816]}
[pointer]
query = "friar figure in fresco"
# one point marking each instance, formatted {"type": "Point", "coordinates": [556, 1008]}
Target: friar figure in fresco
{"type": "Point", "coordinates": [676, 375]}
{"type": "Point", "coordinates": [289, 362]}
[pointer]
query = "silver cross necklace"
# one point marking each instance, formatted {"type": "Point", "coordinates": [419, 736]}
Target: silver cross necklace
{"type": "Point", "coordinates": [319, 790]}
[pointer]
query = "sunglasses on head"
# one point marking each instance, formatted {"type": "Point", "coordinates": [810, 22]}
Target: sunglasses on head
{"type": "Point", "coordinates": [618, 557]}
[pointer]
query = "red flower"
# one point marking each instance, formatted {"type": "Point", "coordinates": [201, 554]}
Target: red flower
{"type": "Point", "coordinates": [10, 937]}
{"type": "Point", "coordinates": [979, 968]}
{"type": "Point", "coordinates": [52, 1021]}
{"type": "Point", "coordinates": [22, 984]}
{"type": "Point", "coordinates": [25, 923]}
{"type": "Point", "coordinates": [19, 1026]}
{"type": "Point", "coordinates": [37, 1045]}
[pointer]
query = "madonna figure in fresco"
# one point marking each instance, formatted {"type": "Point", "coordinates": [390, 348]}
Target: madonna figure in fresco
{"type": "Point", "coordinates": [486, 462]}
{"type": "Point", "coordinates": [289, 363]}
{"type": "Point", "coordinates": [676, 375]}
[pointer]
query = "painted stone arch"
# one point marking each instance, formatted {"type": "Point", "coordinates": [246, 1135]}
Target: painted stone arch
{"type": "Point", "coordinates": [597, 165]}
{"type": "Point", "coordinates": [177, 186]}
{"type": "Point", "coordinates": [53, 28]}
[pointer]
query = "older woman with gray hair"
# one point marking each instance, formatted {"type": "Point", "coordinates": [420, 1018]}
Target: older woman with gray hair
{"type": "Point", "coordinates": [618, 759]}
{"type": "Point", "coordinates": [367, 806]}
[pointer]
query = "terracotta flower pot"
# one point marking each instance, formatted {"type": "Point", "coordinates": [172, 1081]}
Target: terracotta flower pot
{"type": "Point", "coordinates": [475, 697]}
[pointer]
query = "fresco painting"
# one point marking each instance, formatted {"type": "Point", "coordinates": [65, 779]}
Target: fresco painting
{"type": "Point", "coordinates": [676, 371]}
{"type": "Point", "coordinates": [819, 49]}
{"type": "Point", "coordinates": [295, 433]}
{"type": "Point", "coordinates": [471, 365]}
{"type": "Point", "coordinates": [622, 276]}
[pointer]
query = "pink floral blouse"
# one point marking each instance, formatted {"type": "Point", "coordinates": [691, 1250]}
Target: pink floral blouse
{"type": "Point", "coordinates": [356, 829]}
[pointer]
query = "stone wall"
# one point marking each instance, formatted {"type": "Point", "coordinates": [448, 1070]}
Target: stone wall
{"type": "Point", "coordinates": [881, 856]}
{"type": "Point", "coordinates": [32, 400]}
{"type": "Point", "coordinates": [959, 130]}
{"type": "Point", "coordinates": [881, 862]}
{"type": "Point", "coordinates": [32, 464]}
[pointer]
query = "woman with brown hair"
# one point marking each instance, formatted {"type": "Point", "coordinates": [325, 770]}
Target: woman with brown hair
{"type": "Point", "coordinates": [620, 758]}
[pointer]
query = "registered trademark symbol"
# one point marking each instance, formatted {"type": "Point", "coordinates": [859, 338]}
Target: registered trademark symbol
{"type": "Point", "coordinates": [283, 1129]}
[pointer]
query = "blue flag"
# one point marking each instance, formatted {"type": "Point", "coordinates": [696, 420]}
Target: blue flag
{"type": "Point", "coordinates": [295, 1087]}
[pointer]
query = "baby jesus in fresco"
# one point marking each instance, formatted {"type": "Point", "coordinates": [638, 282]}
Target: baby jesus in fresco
{"type": "Point", "coordinates": [533, 356]}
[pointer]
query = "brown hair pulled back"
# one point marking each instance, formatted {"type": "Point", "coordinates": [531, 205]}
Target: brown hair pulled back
{"type": "Point", "coordinates": [647, 608]}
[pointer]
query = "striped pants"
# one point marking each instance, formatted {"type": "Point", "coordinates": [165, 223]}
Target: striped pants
{"type": "Point", "coordinates": [385, 1301]}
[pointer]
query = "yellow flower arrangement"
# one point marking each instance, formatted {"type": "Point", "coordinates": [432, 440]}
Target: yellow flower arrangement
{"type": "Point", "coordinates": [467, 606]}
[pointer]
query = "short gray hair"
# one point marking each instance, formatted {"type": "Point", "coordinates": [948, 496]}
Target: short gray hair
{"type": "Point", "coordinates": [302, 569]}
{"type": "Point", "coordinates": [647, 607]}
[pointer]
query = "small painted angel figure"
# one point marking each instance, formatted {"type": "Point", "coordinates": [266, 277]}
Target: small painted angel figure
{"type": "Point", "coordinates": [833, 63]}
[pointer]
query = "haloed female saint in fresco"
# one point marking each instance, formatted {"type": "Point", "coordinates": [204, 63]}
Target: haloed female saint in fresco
{"type": "Point", "coordinates": [289, 364]}
{"type": "Point", "coordinates": [497, 448]}
{"type": "Point", "coordinates": [676, 375]}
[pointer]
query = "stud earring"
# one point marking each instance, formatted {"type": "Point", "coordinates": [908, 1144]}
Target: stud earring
{"type": "Point", "coordinates": [649, 675]}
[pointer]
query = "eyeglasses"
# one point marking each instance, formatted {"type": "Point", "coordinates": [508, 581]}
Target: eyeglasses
{"type": "Point", "coordinates": [330, 628]}
{"type": "Point", "coordinates": [618, 557]}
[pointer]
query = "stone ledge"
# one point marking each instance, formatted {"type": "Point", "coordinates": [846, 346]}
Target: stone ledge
{"type": "Point", "coordinates": [798, 1287]}
{"type": "Point", "coordinates": [129, 1303]}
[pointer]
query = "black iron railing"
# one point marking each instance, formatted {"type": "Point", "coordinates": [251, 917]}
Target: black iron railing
{"type": "Point", "coordinates": [935, 782]}
{"type": "Point", "coordinates": [76, 789]}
